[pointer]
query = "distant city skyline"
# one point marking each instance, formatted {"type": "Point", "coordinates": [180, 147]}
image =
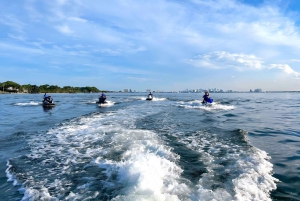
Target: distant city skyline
{"type": "Point", "coordinates": [14, 87]}
{"type": "Point", "coordinates": [152, 44]}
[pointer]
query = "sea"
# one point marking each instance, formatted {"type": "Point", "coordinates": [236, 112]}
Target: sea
{"type": "Point", "coordinates": [245, 146]}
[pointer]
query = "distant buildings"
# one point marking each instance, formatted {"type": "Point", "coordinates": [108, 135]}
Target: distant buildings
{"type": "Point", "coordinates": [200, 90]}
{"type": "Point", "coordinates": [256, 90]}
{"type": "Point", "coordinates": [215, 90]}
{"type": "Point", "coordinates": [192, 91]}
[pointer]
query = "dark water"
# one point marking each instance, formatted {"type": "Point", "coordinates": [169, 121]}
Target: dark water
{"type": "Point", "coordinates": [244, 147]}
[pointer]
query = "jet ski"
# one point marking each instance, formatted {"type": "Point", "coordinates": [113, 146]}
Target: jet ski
{"type": "Point", "coordinates": [48, 102]}
{"type": "Point", "coordinates": [208, 101]}
{"type": "Point", "coordinates": [149, 98]}
{"type": "Point", "coordinates": [102, 102]}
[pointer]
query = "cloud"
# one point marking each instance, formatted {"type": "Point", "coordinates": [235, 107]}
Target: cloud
{"type": "Point", "coordinates": [17, 37]}
{"type": "Point", "coordinates": [61, 2]}
{"type": "Point", "coordinates": [64, 29]}
{"type": "Point", "coordinates": [13, 22]}
{"type": "Point", "coordinates": [224, 59]}
{"type": "Point", "coordinates": [20, 49]}
{"type": "Point", "coordinates": [286, 68]}
{"type": "Point", "coordinates": [117, 69]}
{"type": "Point", "coordinates": [138, 79]}
{"type": "Point", "coordinates": [153, 36]}
{"type": "Point", "coordinates": [77, 19]}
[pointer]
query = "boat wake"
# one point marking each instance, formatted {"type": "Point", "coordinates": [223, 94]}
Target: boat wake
{"type": "Point", "coordinates": [31, 103]}
{"type": "Point", "coordinates": [235, 170]}
{"type": "Point", "coordinates": [197, 104]}
{"type": "Point", "coordinates": [98, 157]}
{"type": "Point", "coordinates": [154, 98]}
{"type": "Point", "coordinates": [107, 104]}
{"type": "Point", "coordinates": [107, 156]}
{"type": "Point", "coordinates": [158, 99]}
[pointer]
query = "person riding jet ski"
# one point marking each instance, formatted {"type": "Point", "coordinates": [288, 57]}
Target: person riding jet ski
{"type": "Point", "coordinates": [206, 98]}
{"type": "Point", "coordinates": [102, 98]}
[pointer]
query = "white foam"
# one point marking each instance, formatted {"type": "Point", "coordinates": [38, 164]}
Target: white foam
{"type": "Point", "coordinates": [197, 104]}
{"type": "Point", "coordinates": [34, 194]}
{"type": "Point", "coordinates": [249, 172]}
{"type": "Point", "coordinates": [216, 106]}
{"type": "Point", "coordinates": [108, 104]}
{"type": "Point", "coordinates": [255, 179]}
{"type": "Point", "coordinates": [137, 164]}
{"type": "Point", "coordinates": [147, 169]}
{"type": "Point", "coordinates": [91, 102]}
{"type": "Point", "coordinates": [140, 97]}
{"type": "Point", "coordinates": [27, 104]}
{"type": "Point", "coordinates": [158, 99]}
{"type": "Point", "coordinates": [154, 98]}
{"type": "Point", "coordinates": [10, 176]}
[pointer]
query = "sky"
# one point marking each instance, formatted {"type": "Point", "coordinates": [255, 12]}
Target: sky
{"type": "Point", "coordinates": [165, 45]}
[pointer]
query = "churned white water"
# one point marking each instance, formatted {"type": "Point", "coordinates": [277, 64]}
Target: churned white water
{"type": "Point", "coordinates": [127, 154]}
{"type": "Point", "coordinates": [28, 104]}
{"type": "Point", "coordinates": [197, 104]}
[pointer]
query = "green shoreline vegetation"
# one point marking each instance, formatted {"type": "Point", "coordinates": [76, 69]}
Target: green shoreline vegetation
{"type": "Point", "coordinates": [13, 87]}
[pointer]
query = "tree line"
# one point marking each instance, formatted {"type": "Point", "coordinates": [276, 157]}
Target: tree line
{"type": "Point", "coordinates": [13, 87]}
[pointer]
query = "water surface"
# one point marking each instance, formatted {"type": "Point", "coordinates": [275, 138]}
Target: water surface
{"type": "Point", "coordinates": [243, 147]}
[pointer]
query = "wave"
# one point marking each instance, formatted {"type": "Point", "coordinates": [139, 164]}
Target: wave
{"type": "Point", "coordinates": [108, 104]}
{"type": "Point", "coordinates": [31, 103]}
{"type": "Point", "coordinates": [158, 99]}
{"type": "Point", "coordinates": [235, 169]}
{"type": "Point", "coordinates": [104, 156]}
{"type": "Point", "coordinates": [105, 153]}
{"type": "Point", "coordinates": [197, 104]}
{"type": "Point", "coordinates": [154, 98]}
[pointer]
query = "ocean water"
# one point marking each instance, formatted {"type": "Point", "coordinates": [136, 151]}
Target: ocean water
{"type": "Point", "coordinates": [243, 147]}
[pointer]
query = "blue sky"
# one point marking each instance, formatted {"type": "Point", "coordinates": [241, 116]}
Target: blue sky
{"type": "Point", "coordinates": [152, 44]}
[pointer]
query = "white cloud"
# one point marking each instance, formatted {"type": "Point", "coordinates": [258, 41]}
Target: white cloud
{"type": "Point", "coordinates": [286, 68]}
{"type": "Point", "coordinates": [226, 60]}
{"type": "Point", "coordinates": [13, 22]}
{"type": "Point", "coordinates": [17, 37]}
{"type": "Point", "coordinates": [77, 19]}
{"type": "Point", "coordinates": [64, 29]}
{"type": "Point", "coordinates": [238, 61]}
{"type": "Point", "coordinates": [226, 34]}
{"type": "Point", "coordinates": [61, 2]}
{"type": "Point", "coordinates": [20, 49]}
{"type": "Point", "coordinates": [138, 79]}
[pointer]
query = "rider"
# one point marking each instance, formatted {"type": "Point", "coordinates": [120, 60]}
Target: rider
{"type": "Point", "coordinates": [47, 98]}
{"type": "Point", "coordinates": [102, 98]}
{"type": "Point", "coordinates": [206, 97]}
{"type": "Point", "coordinates": [150, 95]}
